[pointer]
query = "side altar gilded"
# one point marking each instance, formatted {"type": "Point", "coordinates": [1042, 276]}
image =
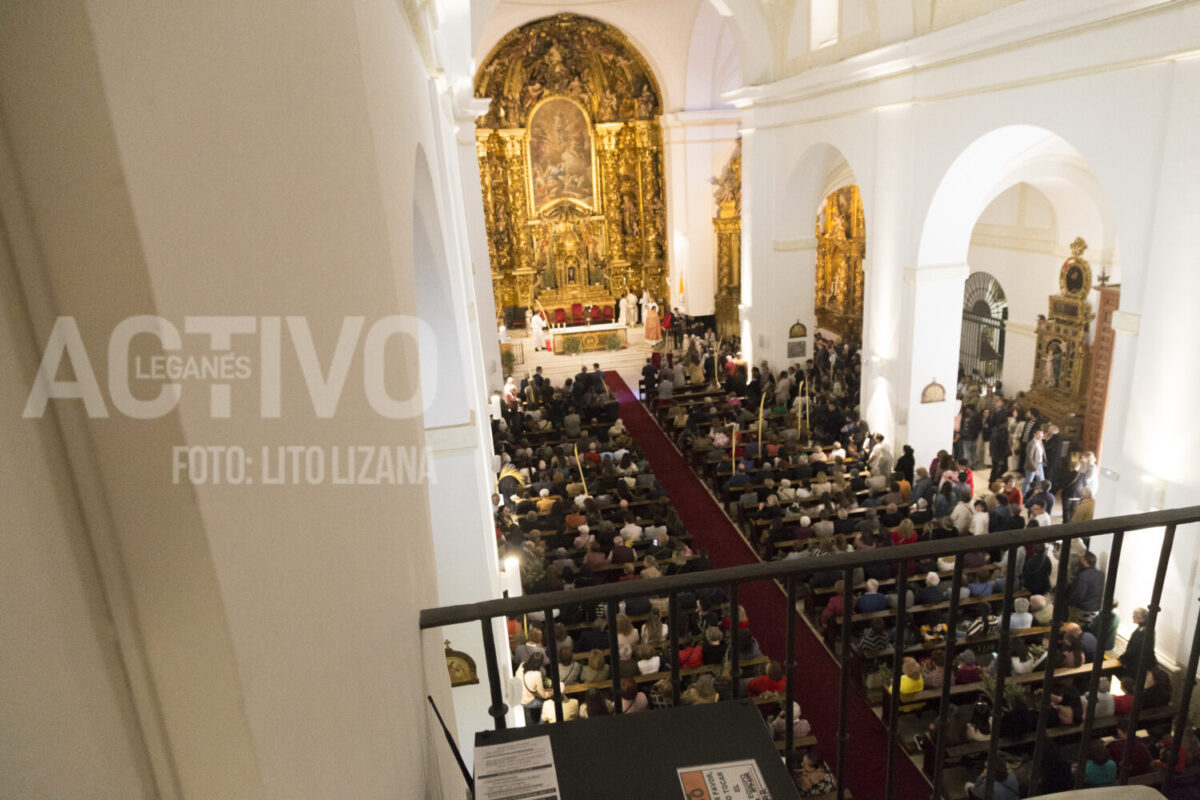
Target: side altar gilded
{"type": "Point", "coordinates": [1059, 388]}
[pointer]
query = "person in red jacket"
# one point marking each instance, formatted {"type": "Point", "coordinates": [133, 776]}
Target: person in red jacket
{"type": "Point", "coordinates": [691, 655]}
{"type": "Point", "coordinates": [771, 682]}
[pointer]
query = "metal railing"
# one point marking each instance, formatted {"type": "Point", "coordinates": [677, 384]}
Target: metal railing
{"type": "Point", "coordinates": [791, 572]}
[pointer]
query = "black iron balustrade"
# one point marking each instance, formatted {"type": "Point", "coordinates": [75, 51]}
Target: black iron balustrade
{"type": "Point", "coordinates": [789, 572]}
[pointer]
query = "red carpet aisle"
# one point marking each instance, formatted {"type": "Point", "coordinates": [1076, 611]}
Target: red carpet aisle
{"type": "Point", "coordinates": [819, 675]}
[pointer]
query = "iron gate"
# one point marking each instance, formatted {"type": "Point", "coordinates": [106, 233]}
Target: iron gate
{"type": "Point", "coordinates": [981, 348]}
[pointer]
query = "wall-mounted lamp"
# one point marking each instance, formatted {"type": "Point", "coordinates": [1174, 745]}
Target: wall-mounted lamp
{"type": "Point", "coordinates": [1153, 494]}
{"type": "Point", "coordinates": [510, 577]}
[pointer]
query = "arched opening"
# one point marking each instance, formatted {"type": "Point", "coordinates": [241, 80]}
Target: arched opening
{"type": "Point", "coordinates": [818, 278]}
{"type": "Point", "coordinates": [981, 346]}
{"type": "Point", "coordinates": [993, 163]}
{"type": "Point", "coordinates": [1022, 205]}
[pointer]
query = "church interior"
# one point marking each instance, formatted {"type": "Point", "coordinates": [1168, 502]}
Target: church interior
{"type": "Point", "coordinates": [405, 338]}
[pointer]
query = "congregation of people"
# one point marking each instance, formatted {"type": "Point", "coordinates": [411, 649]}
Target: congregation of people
{"type": "Point", "coordinates": [805, 478]}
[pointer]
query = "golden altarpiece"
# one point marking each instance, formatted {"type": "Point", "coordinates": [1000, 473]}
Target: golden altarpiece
{"type": "Point", "coordinates": [841, 247]}
{"type": "Point", "coordinates": [570, 164]}
{"type": "Point", "coordinates": [728, 226]}
{"type": "Point", "coordinates": [1059, 388]}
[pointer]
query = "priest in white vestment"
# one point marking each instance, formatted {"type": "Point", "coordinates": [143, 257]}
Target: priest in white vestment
{"type": "Point", "coordinates": [537, 330]}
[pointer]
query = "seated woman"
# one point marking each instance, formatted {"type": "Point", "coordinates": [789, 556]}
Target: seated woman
{"type": "Point", "coordinates": [935, 669]}
{"type": "Point", "coordinates": [1100, 769]}
{"type": "Point", "coordinates": [713, 651]}
{"type": "Point", "coordinates": [596, 668]}
{"type": "Point", "coordinates": [979, 728]}
{"type": "Point", "coordinates": [813, 778]}
{"type": "Point", "coordinates": [595, 705]}
{"type": "Point", "coordinates": [647, 662]}
{"type": "Point", "coordinates": [702, 692]}
{"type": "Point", "coordinates": [743, 619]}
{"type": "Point", "coordinates": [871, 600]}
{"type": "Point", "coordinates": [1158, 688]}
{"type": "Point", "coordinates": [770, 683]}
{"type": "Point", "coordinates": [912, 681]}
{"type": "Point", "coordinates": [1023, 661]}
{"type": "Point", "coordinates": [570, 710]}
{"type": "Point", "coordinates": [1070, 653]}
{"type": "Point", "coordinates": [1020, 619]}
{"type": "Point", "coordinates": [654, 631]}
{"type": "Point", "coordinates": [904, 533]}
{"type": "Point", "coordinates": [747, 645]}
{"type": "Point", "coordinates": [632, 699]}
{"type": "Point", "coordinates": [1004, 784]}
{"type": "Point", "coordinates": [691, 655]}
{"type": "Point", "coordinates": [968, 671]}
{"type": "Point", "coordinates": [569, 670]}
{"type": "Point", "coordinates": [626, 633]}
{"type": "Point", "coordinates": [1065, 701]}
{"type": "Point", "coordinates": [626, 667]}
{"type": "Point", "coordinates": [778, 724]}
{"type": "Point", "coordinates": [981, 584]}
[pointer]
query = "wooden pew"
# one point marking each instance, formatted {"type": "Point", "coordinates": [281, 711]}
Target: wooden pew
{"type": "Point", "coordinates": [750, 663]}
{"type": "Point", "coordinates": [934, 695]}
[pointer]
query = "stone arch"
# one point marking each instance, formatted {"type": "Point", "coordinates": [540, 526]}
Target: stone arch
{"type": "Point", "coordinates": [994, 162]}
{"type": "Point", "coordinates": [821, 170]}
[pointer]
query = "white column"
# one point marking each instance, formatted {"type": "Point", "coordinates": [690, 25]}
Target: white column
{"type": "Point", "coordinates": [933, 308]}
{"type": "Point", "coordinates": [794, 268]}
{"type": "Point", "coordinates": [696, 147]}
{"type": "Point", "coordinates": [468, 568]}
{"type": "Point", "coordinates": [480, 272]}
{"type": "Point", "coordinates": [758, 275]}
{"type": "Point", "coordinates": [888, 331]}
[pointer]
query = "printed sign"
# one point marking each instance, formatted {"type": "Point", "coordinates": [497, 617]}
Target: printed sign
{"type": "Point", "coordinates": [734, 780]}
{"type": "Point", "coordinates": [522, 770]}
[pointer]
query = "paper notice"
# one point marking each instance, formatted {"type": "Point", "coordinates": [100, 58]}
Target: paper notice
{"type": "Point", "coordinates": [734, 780]}
{"type": "Point", "coordinates": [522, 770]}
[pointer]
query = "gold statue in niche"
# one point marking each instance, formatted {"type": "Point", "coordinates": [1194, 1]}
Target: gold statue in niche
{"type": "Point", "coordinates": [571, 135]}
{"type": "Point", "coordinates": [841, 247]}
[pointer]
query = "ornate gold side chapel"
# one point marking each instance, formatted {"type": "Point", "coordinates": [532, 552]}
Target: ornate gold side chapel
{"type": "Point", "coordinates": [841, 247]}
{"type": "Point", "coordinates": [1062, 360]}
{"type": "Point", "coordinates": [728, 226]}
{"type": "Point", "coordinates": [570, 163]}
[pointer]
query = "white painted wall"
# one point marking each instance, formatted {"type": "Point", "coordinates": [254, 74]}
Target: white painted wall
{"type": "Point", "coordinates": [65, 689]}
{"type": "Point", "coordinates": [212, 160]}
